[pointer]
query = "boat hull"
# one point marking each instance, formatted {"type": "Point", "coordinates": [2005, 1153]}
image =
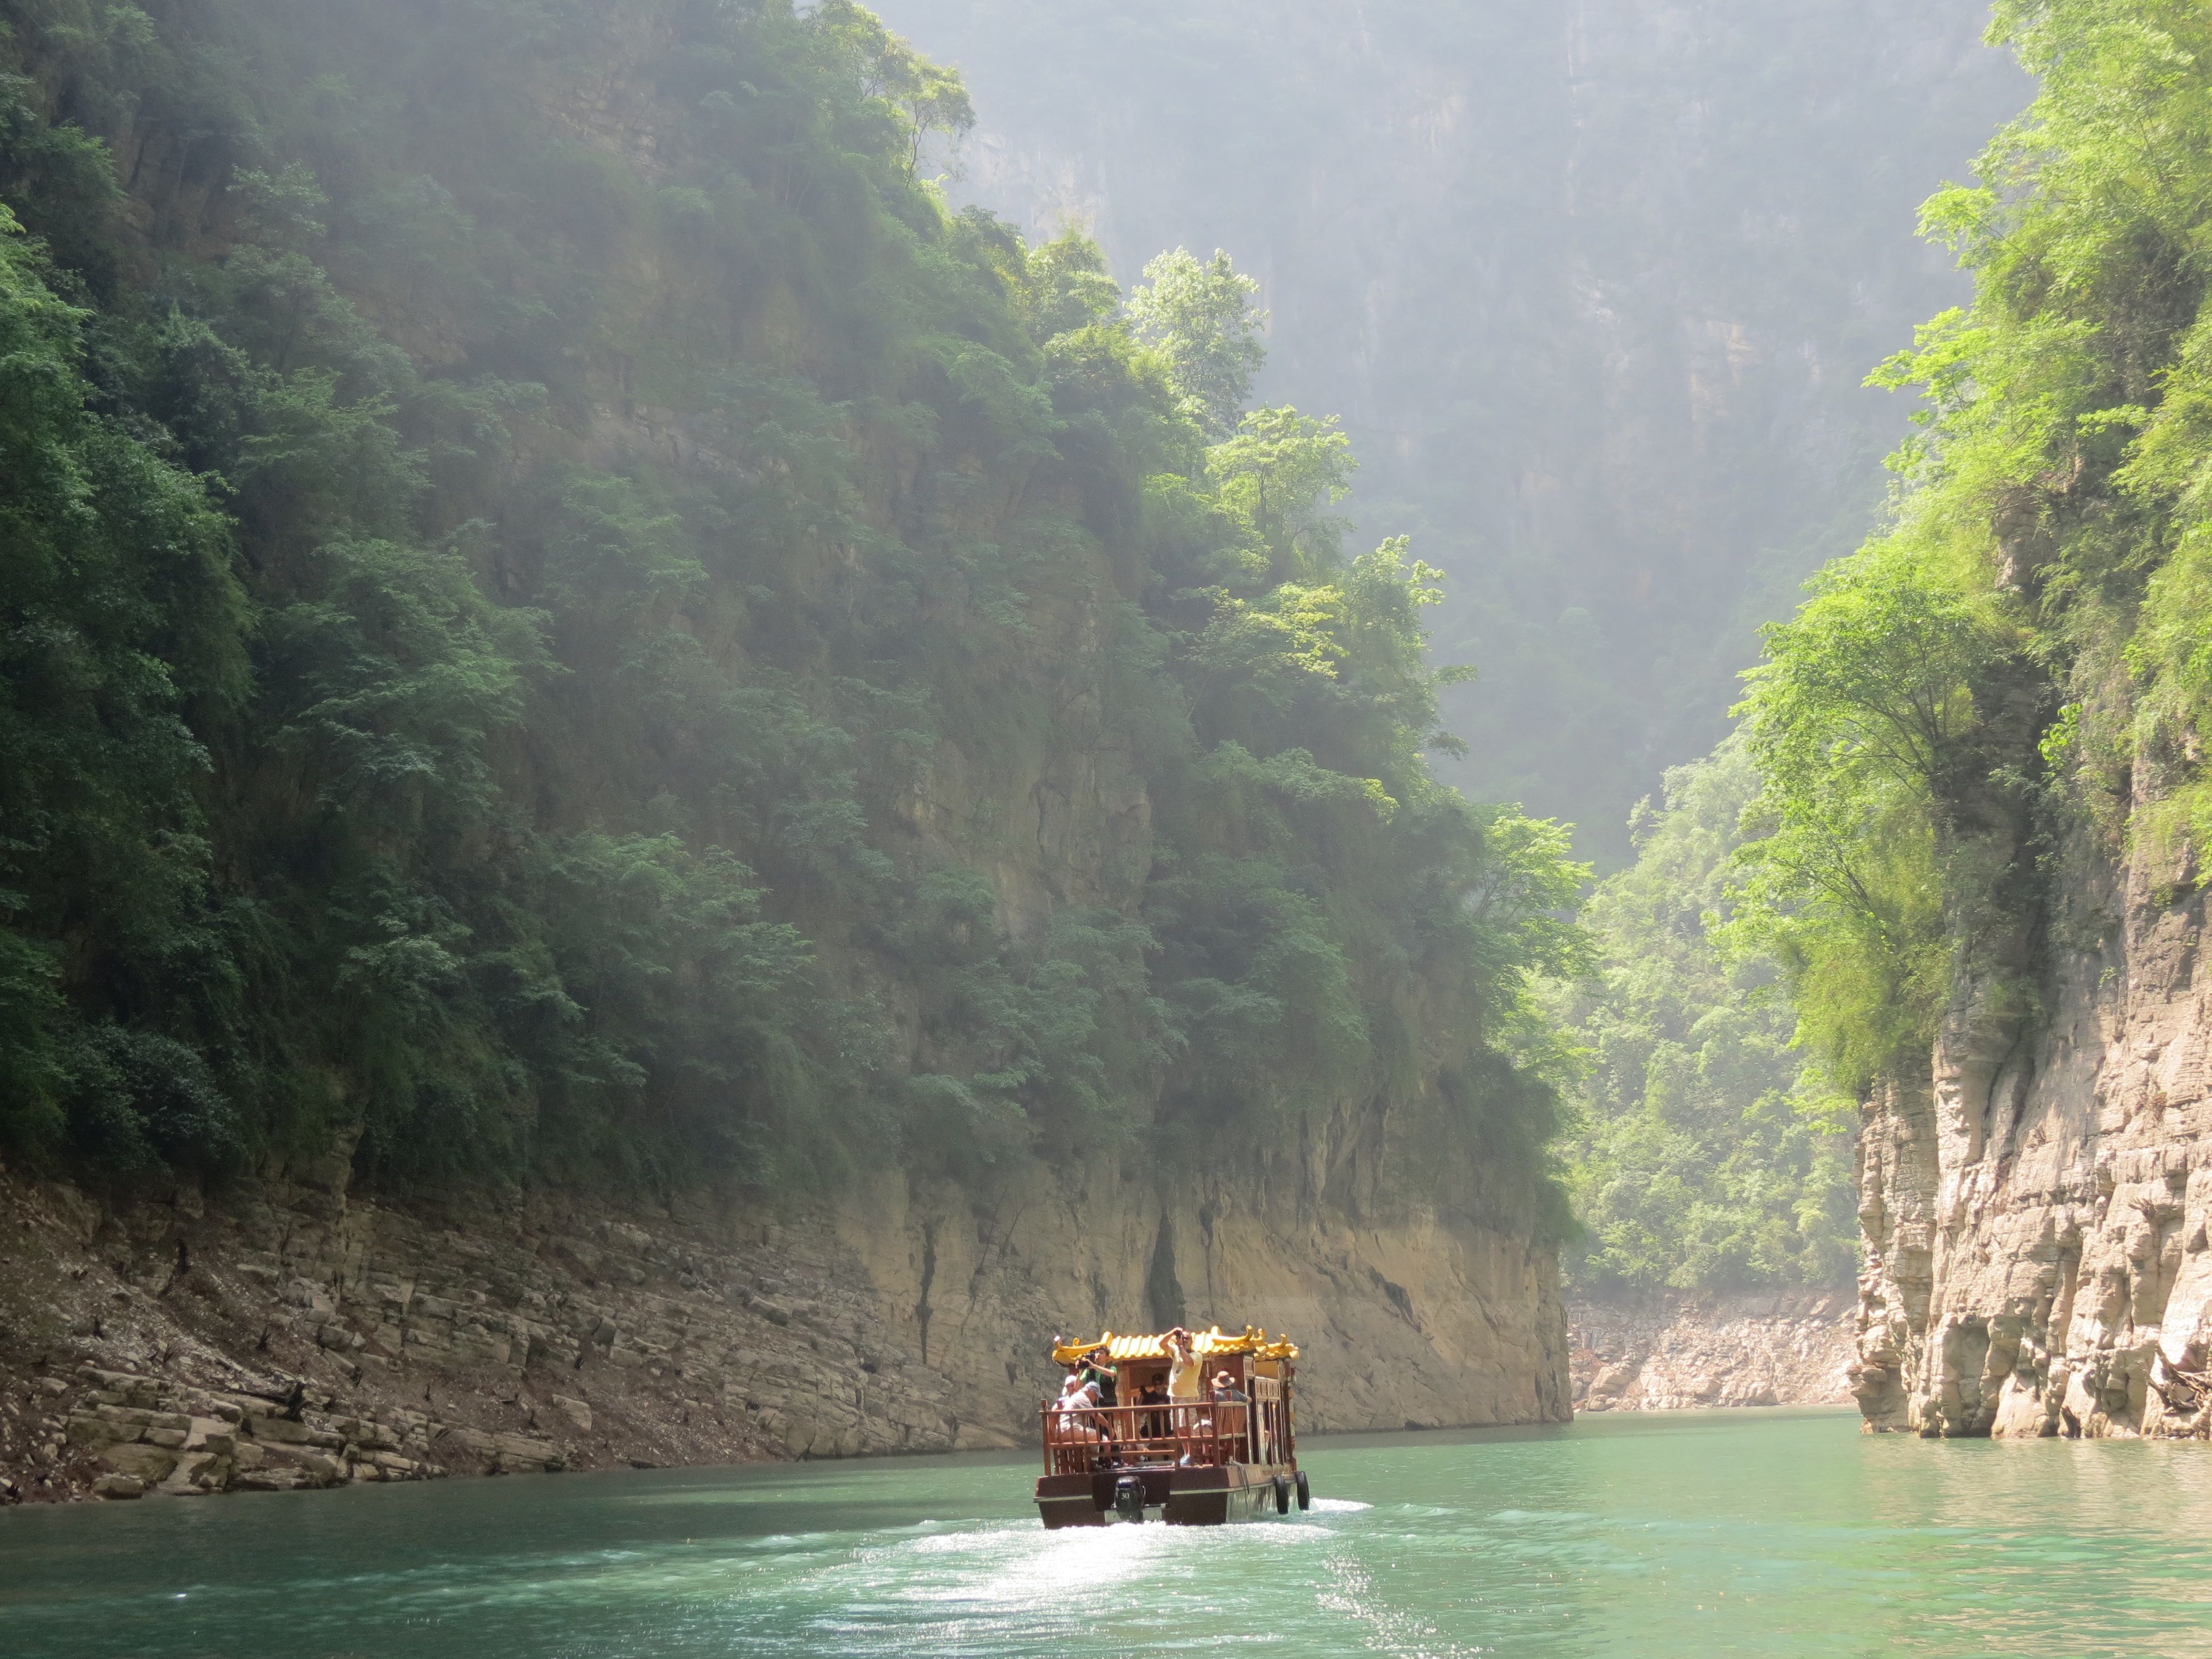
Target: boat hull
{"type": "Point", "coordinates": [1208, 1496]}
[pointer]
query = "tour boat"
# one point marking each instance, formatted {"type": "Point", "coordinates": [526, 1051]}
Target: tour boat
{"type": "Point", "coordinates": [1195, 1464]}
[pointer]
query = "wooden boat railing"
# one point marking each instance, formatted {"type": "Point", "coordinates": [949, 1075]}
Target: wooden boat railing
{"type": "Point", "coordinates": [1079, 1439]}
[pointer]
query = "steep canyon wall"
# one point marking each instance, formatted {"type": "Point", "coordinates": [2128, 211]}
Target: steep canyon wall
{"type": "Point", "coordinates": [299, 1335]}
{"type": "Point", "coordinates": [2033, 1181]}
{"type": "Point", "coordinates": [804, 502]}
{"type": "Point", "coordinates": [2036, 1222]}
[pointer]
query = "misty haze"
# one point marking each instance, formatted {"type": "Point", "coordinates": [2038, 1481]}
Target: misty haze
{"type": "Point", "coordinates": [1118, 827]}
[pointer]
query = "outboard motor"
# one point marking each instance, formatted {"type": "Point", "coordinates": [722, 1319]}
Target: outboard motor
{"type": "Point", "coordinates": [1129, 1497]}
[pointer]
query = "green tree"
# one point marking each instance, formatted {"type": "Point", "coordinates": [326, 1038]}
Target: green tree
{"type": "Point", "coordinates": [1199, 316]}
{"type": "Point", "coordinates": [2003, 690]}
{"type": "Point", "coordinates": [122, 637]}
{"type": "Point", "coordinates": [1707, 1157]}
{"type": "Point", "coordinates": [547, 661]}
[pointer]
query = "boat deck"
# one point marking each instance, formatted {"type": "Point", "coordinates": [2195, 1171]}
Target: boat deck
{"type": "Point", "coordinates": [1228, 1454]}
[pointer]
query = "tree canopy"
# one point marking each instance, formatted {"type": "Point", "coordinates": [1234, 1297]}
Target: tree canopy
{"type": "Point", "coordinates": [2004, 688]}
{"type": "Point", "coordinates": [619, 639]}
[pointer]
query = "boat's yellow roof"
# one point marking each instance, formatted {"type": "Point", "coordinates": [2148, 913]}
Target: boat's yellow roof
{"type": "Point", "coordinates": [1203, 1344]}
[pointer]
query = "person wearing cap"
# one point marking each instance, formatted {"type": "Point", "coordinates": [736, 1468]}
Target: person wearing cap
{"type": "Point", "coordinates": [1233, 1422]}
{"type": "Point", "coordinates": [1072, 1418]}
{"type": "Point", "coordinates": [1077, 1397]}
{"type": "Point", "coordinates": [1098, 1369]}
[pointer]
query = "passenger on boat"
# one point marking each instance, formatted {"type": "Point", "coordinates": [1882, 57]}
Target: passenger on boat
{"type": "Point", "coordinates": [1097, 1372]}
{"type": "Point", "coordinates": [1185, 1387]}
{"type": "Point", "coordinates": [1153, 1425]}
{"type": "Point", "coordinates": [1183, 1369]}
{"type": "Point", "coordinates": [1075, 1399]}
{"type": "Point", "coordinates": [1234, 1426]}
{"type": "Point", "coordinates": [1098, 1368]}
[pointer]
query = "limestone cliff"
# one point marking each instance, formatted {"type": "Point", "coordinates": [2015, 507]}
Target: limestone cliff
{"type": "Point", "coordinates": [297, 1335]}
{"type": "Point", "coordinates": [1673, 1351]}
{"type": "Point", "coordinates": [2037, 1255]}
{"type": "Point", "coordinates": [1986, 807]}
{"type": "Point", "coordinates": [882, 763]}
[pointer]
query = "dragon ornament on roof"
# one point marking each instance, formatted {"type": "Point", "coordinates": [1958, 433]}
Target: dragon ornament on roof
{"type": "Point", "coordinates": [1208, 1344]}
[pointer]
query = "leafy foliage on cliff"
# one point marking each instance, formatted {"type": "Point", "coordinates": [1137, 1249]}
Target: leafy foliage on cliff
{"type": "Point", "coordinates": [125, 623]}
{"type": "Point", "coordinates": [2014, 677]}
{"type": "Point", "coordinates": [1706, 1158]}
{"type": "Point", "coordinates": [1590, 285]}
{"type": "Point", "coordinates": [561, 613]}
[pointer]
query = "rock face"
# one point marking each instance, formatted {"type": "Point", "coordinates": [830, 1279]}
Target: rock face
{"type": "Point", "coordinates": [295, 1335]}
{"type": "Point", "coordinates": [1676, 1352]}
{"type": "Point", "coordinates": [2036, 1219]}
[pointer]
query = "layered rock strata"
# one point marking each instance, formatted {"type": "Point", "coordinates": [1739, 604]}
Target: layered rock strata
{"type": "Point", "coordinates": [294, 1333]}
{"type": "Point", "coordinates": [2036, 1217]}
{"type": "Point", "coordinates": [1676, 1352]}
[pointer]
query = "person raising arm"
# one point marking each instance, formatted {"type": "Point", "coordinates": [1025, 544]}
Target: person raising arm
{"type": "Point", "coordinates": [1183, 1377]}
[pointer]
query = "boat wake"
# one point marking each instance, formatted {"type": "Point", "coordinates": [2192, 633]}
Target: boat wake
{"type": "Point", "coordinates": [1384, 1628]}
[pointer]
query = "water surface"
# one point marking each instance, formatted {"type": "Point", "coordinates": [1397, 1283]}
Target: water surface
{"type": "Point", "coordinates": [1778, 1534]}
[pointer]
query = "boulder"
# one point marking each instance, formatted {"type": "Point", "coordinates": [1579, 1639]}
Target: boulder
{"type": "Point", "coordinates": [315, 1466]}
{"type": "Point", "coordinates": [151, 1464]}
{"type": "Point", "coordinates": [198, 1472]}
{"type": "Point", "coordinates": [119, 1485]}
{"type": "Point", "coordinates": [92, 1431]}
{"type": "Point", "coordinates": [1613, 1380]}
{"type": "Point", "coordinates": [517, 1454]}
{"type": "Point", "coordinates": [283, 1431]}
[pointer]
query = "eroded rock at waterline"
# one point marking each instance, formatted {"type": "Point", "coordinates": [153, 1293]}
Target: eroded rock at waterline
{"type": "Point", "coordinates": [158, 1434]}
{"type": "Point", "coordinates": [299, 1335]}
{"type": "Point", "coordinates": [1673, 1351]}
{"type": "Point", "coordinates": [2037, 1219]}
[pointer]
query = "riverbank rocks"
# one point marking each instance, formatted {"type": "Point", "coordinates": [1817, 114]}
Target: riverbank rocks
{"type": "Point", "coordinates": [1673, 1351]}
{"type": "Point", "coordinates": [509, 1454]}
{"type": "Point", "coordinates": [291, 1334]}
{"type": "Point", "coordinates": [188, 1441]}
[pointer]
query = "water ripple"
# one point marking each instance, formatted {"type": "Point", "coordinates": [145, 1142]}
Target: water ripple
{"type": "Point", "coordinates": [1774, 1534]}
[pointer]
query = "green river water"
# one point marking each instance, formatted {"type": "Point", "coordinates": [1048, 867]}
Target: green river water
{"type": "Point", "coordinates": [1773, 1534]}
